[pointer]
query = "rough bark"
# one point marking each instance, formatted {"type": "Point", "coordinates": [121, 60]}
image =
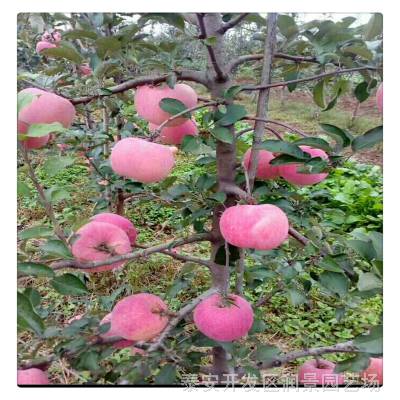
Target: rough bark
{"type": "Point", "coordinates": [263, 96]}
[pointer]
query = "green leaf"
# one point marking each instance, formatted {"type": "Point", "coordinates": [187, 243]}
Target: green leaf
{"type": "Point", "coordinates": [368, 139]}
{"type": "Point", "coordinates": [167, 375]}
{"type": "Point", "coordinates": [329, 264]}
{"type": "Point", "coordinates": [39, 130]}
{"type": "Point", "coordinates": [377, 242]}
{"type": "Point", "coordinates": [318, 94]}
{"type": "Point", "coordinates": [363, 248]}
{"type": "Point", "coordinates": [361, 91]}
{"type": "Point", "coordinates": [232, 92]}
{"type": "Point", "coordinates": [23, 189]}
{"type": "Point", "coordinates": [26, 315]}
{"type": "Point", "coordinates": [173, 19]}
{"type": "Point", "coordinates": [374, 27]}
{"type": "Point", "coordinates": [54, 165]}
{"type": "Point", "coordinates": [361, 51]}
{"type": "Point", "coordinates": [340, 135]}
{"type": "Point", "coordinates": [69, 284]}
{"type": "Point", "coordinates": [287, 26]}
{"type": "Point", "coordinates": [33, 295]}
{"type": "Point", "coordinates": [266, 353]}
{"type": "Point", "coordinates": [357, 363]}
{"type": "Point", "coordinates": [35, 232]}
{"type": "Point", "coordinates": [107, 46]}
{"type": "Point", "coordinates": [80, 34]}
{"type": "Point", "coordinates": [66, 52]}
{"type": "Point", "coordinates": [56, 248]}
{"type": "Point", "coordinates": [24, 99]}
{"type": "Point", "coordinates": [296, 297]}
{"type": "Point", "coordinates": [284, 159]}
{"type": "Point", "coordinates": [368, 281]}
{"type": "Point", "coordinates": [335, 282]}
{"type": "Point", "coordinates": [315, 142]}
{"type": "Point", "coordinates": [234, 113]}
{"type": "Point", "coordinates": [56, 194]}
{"type": "Point", "coordinates": [219, 196]}
{"type": "Point", "coordinates": [89, 360]}
{"type": "Point", "coordinates": [371, 343]}
{"type": "Point", "coordinates": [279, 146]}
{"type": "Point", "coordinates": [223, 134]}
{"type": "Point", "coordinates": [173, 107]}
{"type": "Point", "coordinates": [194, 145]}
{"type": "Point", "coordinates": [34, 269]}
{"type": "Point", "coordinates": [210, 41]}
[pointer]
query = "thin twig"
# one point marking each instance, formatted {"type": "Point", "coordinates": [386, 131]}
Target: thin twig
{"type": "Point", "coordinates": [195, 76]}
{"type": "Point", "coordinates": [46, 203]}
{"type": "Point", "coordinates": [346, 347]}
{"type": "Point", "coordinates": [179, 114]}
{"type": "Point", "coordinates": [130, 256]}
{"type": "Point", "coordinates": [310, 78]}
{"type": "Point", "coordinates": [263, 97]}
{"type": "Point", "coordinates": [180, 315]}
{"type": "Point", "coordinates": [270, 121]}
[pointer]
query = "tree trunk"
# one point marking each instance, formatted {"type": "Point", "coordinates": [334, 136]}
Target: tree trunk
{"type": "Point", "coordinates": [226, 162]}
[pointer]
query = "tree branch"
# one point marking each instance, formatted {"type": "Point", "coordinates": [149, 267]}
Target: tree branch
{"type": "Point", "coordinates": [46, 204]}
{"type": "Point", "coordinates": [194, 76]}
{"type": "Point", "coordinates": [221, 76]}
{"type": "Point", "coordinates": [232, 23]}
{"type": "Point", "coordinates": [173, 322]}
{"type": "Point", "coordinates": [130, 256]}
{"type": "Point", "coordinates": [263, 97]}
{"type": "Point", "coordinates": [346, 347]}
{"type": "Point", "coordinates": [310, 78]}
{"type": "Point", "coordinates": [257, 57]}
{"type": "Point", "coordinates": [270, 121]}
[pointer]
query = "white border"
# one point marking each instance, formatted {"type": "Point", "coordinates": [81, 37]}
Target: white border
{"type": "Point", "coordinates": [8, 127]}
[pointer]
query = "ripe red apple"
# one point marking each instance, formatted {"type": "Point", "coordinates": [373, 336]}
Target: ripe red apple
{"type": "Point", "coordinates": [261, 227]}
{"type": "Point", "coordinates": [42, 45]}
{"type": "Point", "coordinates": [56, 36]}
{"type": "Point", "coordinates": [117, 220]}
{"type": "Point", "coordinates": [290, 171]}
{"type": "Point", "coordinates": [313, 373]}
{"type": "Point", "coordinates": [98, 241]}
{"type": "Point", "coordinates": [264, 169]}
{"type": "Point", "coordinates": [374, 372]}
{"type": "Point", "coordinates": [379, 98]}
{"type": "Point", "coordinates": [175, 134]}
{"type": "Point", "coordinates": [121, 344]}
{"type": "Point", "coordinates": [44, 109]}
{"type": "Point", "coordinates": [142, 161]}
{"type": "Point", "coordinates": [147, 99]}
{"type": "Point", "coordinates": [32, 376]}
{"type": "Point", "coordinates": [139, 317]}
{"type": "Point", "coordinates": [85, 69]}
{"type": "Point", "coordinates": [224, 320]}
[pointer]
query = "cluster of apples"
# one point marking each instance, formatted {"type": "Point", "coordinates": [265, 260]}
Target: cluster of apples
{"type": "Point", "coordinates": [106, 235]}
{"type": "Point", "coordinates": [48, 41]}
{"type": "Point", "coordinates": [149, 162]}
{"type": "Point", "coordinates": [45, 108]}
{"type": "Point", "coordinates": [52, 40]}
